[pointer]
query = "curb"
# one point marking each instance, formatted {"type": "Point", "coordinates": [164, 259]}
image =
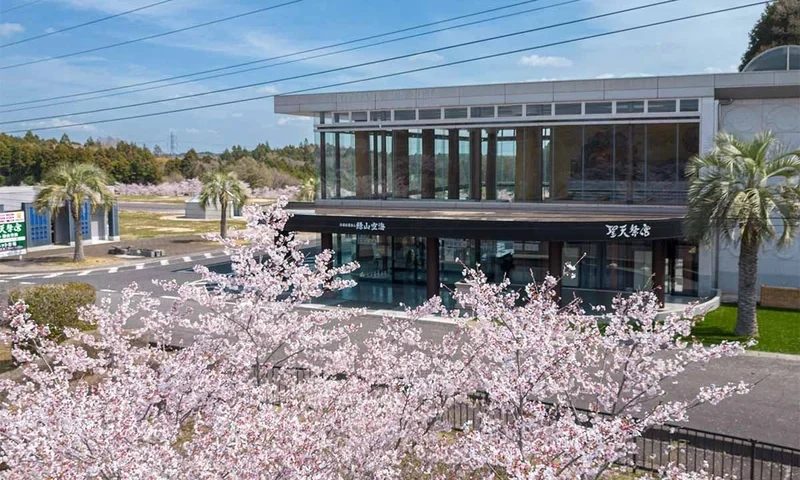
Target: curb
{"type": "Point", "coordinates": [777, 356]}
{"type": "Point", "coordinates": [126, 264]}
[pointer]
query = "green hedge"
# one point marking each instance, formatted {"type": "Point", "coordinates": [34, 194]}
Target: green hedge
{"type": "Point", "coordinates": [56, 305]}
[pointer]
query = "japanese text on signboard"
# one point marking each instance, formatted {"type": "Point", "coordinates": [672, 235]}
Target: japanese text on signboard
{"type": "Point", "coordinates": [366, 226]}
{"type": "Point", "coordinates": [628, 230]}
{"type": "Point", "coordinates": [12, 234]}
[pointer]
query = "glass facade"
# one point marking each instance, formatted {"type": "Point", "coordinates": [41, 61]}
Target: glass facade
{"type": "Point", "coordinates": [394, 269]}
{"type": "Point", "coordinates": [633, 163]}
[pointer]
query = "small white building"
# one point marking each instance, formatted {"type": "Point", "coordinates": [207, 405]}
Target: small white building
{"type": "Point", "coordinates": [43, 229]}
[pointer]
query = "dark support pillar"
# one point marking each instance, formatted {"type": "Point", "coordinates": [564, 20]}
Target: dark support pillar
{"type": "Point", "coordinates": [528, 171]}
{"type": "Point", "coordinates": [453, 164]}
{"type": "Point", "coordinates": [384, 165]}
{"type": "Point", "coordinates": [475, 164]}
{"type": "Point", "coordinates": [337, 165]}
{"type": "Point", "coordinates": [323, 170]}
{"type": "Point", "coordinates": [375, 169]}
{"type": "Point", "coordinates": [556, 264]}
{"type": "Point", "coordinates": [326, 242]}
{"type": "Point", "coordinates": [491, 165]}
{"type": "Point", "coordinates": [363, 178]}
{"type": "Point", "coordinates": [428, 164]}
{"type": "Point", "coordinates": [432, 266]}
{"type": "Point", "coordinates": [658, 269]}
{"type": "Point", "coordinates": [400, 151]}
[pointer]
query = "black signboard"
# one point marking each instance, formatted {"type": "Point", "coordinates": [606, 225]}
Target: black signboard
{"type": "Point", "coordinates": [597, 231]}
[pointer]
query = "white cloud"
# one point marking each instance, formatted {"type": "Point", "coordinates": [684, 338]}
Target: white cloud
{"type": "Point", "coordinates": [59, 122]}
{"type": "Point", "coordinates": [8, 29]}
{"type": "Point", "coordinates": [292, 120]}
{"type": "Point", "coordinates": [431, 57]}
{"type": "Point", "coordinates": [605, 76]}
{"type": "Point", "coordinates": [544, 61]}
{"type": "Point", "coordinates": [268, 90]}
{"type": "Point", "coordinates": [192, 131]}
{"type": "Point", "coordinates": [237, 115]}
{"type": "Point", "coordinates": [49, 30]}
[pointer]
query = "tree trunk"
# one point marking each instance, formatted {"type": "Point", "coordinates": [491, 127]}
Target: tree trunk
{"type": "Point", "coordinates": [223, 220]}
{"type": "Point", "coordinates": [78, 233]}
{"type": "Point", "coordinates": [746, 323]}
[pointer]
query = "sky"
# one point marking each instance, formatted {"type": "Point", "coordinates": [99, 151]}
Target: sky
{"type": "Point", "coordinates": [706, 45]}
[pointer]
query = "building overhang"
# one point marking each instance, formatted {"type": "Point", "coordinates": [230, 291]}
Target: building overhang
{"type": "Point", "coordinates": [485, 221]}
{"type": "Point", "coordinates": [720, 86]}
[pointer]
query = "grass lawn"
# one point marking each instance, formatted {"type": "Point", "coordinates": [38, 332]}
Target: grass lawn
{"type": "Point", "coordinates": [779, 330]}
{"type": "Point", "coordinates": [135, 225]}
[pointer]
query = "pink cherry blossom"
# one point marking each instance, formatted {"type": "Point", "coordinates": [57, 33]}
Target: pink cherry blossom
{"type": "Point", "coordinates": [267, 390]}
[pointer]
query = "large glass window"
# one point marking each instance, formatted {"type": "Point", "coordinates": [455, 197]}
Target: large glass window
{"type": "Point", "coordinates": [506, 162]}
{"type": "Point", "coordinates": [662, 162]}
{"type": "Point", "coordinates": [598, 164]}
{"type": "Point", "coordinates": [516, 260]}
{"type": "Point", "coordinates": [623, 163]}
{"type": "Point", "coordinates": [566, 163]}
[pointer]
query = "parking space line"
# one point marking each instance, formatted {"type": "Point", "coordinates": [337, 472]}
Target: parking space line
{"type": "Point", "coordinates": [187, 259]}
{"type": "Point", "coordinates": [53, 275]}
{"type": "Point", "coordinates": [207, 255]}
{"type": "Point", "coordinates": [113, 270]}
{"type": "Point", "coordinates": [164, 262]}
{"type": "Point", "coordinates": [26, 275]}
{"type": "Point", "coordinates": [140, 266]}
{"type": "Point", "coordinates": [84, 273]}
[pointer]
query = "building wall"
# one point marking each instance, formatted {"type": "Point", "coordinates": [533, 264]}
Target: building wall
{"type": "Point", "coordinates": [746, 118]}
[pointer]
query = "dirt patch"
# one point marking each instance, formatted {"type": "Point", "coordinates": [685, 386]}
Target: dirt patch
{"type": "Point", "coordinates": [174, 229]}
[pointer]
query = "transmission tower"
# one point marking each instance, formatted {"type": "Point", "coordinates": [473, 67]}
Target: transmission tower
{"type": "Point", "coordinates": [173, 143]}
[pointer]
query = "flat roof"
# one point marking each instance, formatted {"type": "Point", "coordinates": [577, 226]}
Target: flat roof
{"type": "Point", "coordinates": [779, 84]}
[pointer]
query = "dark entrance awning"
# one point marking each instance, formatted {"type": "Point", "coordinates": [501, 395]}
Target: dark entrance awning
{"type": "Point", "coordinates": [486, 225]}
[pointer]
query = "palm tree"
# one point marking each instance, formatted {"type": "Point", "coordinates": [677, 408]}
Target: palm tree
{"type": "Point", "coordinates": [74, 184]}
{"type": "Point", "coordinates": [742, 189]}
{"type": "Point", "coordinates": [221, 189]}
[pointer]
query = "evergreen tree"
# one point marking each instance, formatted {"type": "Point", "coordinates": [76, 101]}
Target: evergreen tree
{"type": "Point", "coordinates": [778, 25]}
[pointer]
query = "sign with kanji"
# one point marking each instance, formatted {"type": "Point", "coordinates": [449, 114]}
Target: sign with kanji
{"type": "Point", "coordinates": [628, 230]}
{"type": "Point", "coordinates": [12, 234]}
{"type": "Point", "coordinates": [368, 226]}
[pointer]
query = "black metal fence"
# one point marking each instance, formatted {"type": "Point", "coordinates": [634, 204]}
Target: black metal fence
{"type": "Point", "coordinates": [660, 446]}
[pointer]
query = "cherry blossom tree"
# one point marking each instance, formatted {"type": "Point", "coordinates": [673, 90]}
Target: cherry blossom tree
{"type": "Point", "coordinates": [266, 390]}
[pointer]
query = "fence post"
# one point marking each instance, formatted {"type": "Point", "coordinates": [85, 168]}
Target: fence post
{"type": "Point", "coordinates": [752, 459]}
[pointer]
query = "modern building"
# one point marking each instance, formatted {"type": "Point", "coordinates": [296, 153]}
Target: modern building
{"type": "Point", "coordinates": [43, 228]}
{"type": "Point", "coordinates": [522, 177]}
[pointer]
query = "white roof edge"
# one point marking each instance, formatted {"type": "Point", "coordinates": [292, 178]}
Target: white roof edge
{"type": "Point", "coordinates": [670, 86]}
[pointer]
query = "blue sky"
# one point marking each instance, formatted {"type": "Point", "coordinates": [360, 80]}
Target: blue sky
{"type": "Point", "coordinates": [711, 44]}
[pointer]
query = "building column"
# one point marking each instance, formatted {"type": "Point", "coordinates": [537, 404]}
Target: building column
{"type": "Point", "coordinates": [453, 166]}
{"type": "Point", "coordinates": [375, 168]}
{"type": "Point", "coordinates": [428, 164]}
{"type": "Point", "coordinates": [432, 266]}
{"type": "Point", "coordinates": [528, 165]}
{"type": "Point", "coordinates": [337, 165]}
{"type": "Point", "coordinates": [400, 163]}
{"type": "Point", "coordinates": [363, 177]}
{"type": "Point", "coordinates": [384, 165]}
{"type": "Point", "coordinates": [323, 170]}
{"type": "Point", "coordinates": [326, 241]}
{"type": "Point", "coordinates": [658, 270]}
{"type": "Point", "coordinates": [475, 163]}
{"type": "Point", "coordinates": [491, 165]}
{"type": "Point", "coordinates": [556, 265]}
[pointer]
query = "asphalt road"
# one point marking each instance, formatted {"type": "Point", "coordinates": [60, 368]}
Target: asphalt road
{"type": "Point", "coordinates": [771, 412]}
{"type": "Point", "coordinates": [152, 207]}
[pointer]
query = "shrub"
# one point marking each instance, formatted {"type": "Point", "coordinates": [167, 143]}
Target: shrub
{"type": "Point", "coordinates": [56, 305]}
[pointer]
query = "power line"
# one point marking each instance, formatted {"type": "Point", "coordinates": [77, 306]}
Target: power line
{"type": "Point", "coordinates": [150, 37]}
{"type": "Point", "coordinates": [20, 6]}
{"type": "Point", "coordinates": [92, 22]}
{"type": "Point", "coordinates": [336, 52]}
{"type": "Point", "coordinates": [349, 67]}
{"type": "Point", "coordinates": [301, 52]}
{"type": "Point", "coordinates": [405, 72]}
